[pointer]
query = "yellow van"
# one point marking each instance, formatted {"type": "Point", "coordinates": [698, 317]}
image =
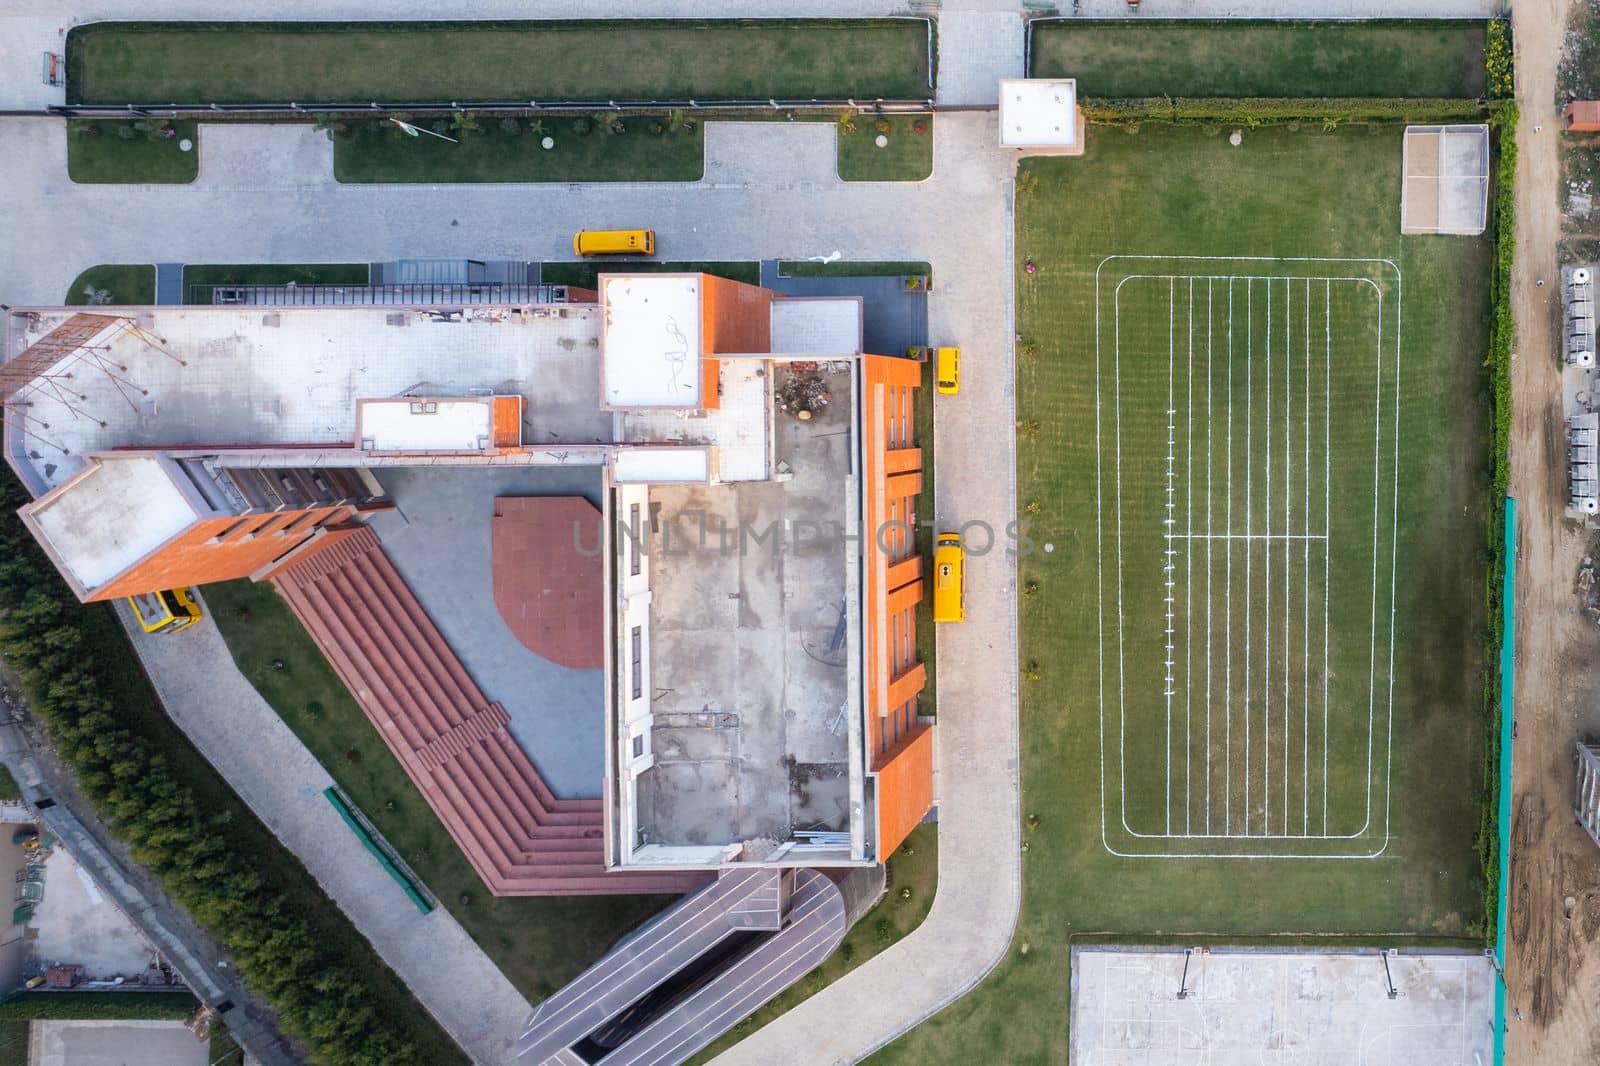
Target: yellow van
{"type": "Point", "coordinates": [165, 612]}
{"type": "Point", "coordinates": [949, 579]}
{"type": "Point", "coordinates": [589, 242]}
{"type": "Point", "coordinates": [947, 370]}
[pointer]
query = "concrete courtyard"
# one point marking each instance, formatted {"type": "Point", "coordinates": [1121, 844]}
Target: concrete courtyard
{"type": "Point", "coordinates": [1244, 1008]}
{"type": "Point", "coordinates": [127, 1043]}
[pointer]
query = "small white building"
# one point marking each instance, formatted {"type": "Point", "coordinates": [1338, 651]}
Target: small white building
{"type": "Point", "coordinates": [1040, 116]}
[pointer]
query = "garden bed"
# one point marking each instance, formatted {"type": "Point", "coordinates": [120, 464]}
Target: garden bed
{"type": "Point", "coordinates": [132, 152]}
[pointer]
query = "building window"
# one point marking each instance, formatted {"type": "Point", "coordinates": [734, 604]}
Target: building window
{"type": "Point", "coordinates": [638, 746]}
{"type": "Point", "coordinates": [638, 662]}
{"type": "Point", "coordinates": [633, 539]}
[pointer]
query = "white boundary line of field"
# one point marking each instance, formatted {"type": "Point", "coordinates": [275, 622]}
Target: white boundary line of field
{"type": "Point", "coordinates": [1394, 535]}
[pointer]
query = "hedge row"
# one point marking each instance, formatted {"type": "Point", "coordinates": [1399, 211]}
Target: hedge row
{"type": "Point", "coordinates": [337, 998]}
{"type": "Point", "coordinates": [97, 1006]}
{"type": "Point", "coordinates": [1498, 362]}
{"type": "Point", "coordinates": [1265, 111]}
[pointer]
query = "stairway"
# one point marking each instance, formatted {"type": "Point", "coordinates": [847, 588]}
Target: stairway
{"type": "Point", "coordinates": [453, 741]}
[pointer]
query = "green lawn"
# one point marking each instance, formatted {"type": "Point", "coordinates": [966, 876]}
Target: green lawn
{"type": "Point", "coordinates": [907, 157]}
{"type": "Point", "coordinates": [539, 943]}
{"type": "Point", "coordinates": [400, 62]}
{"type": "Point", "coordinates": [585, 272]}
{"type": "Point", "coordinates": [1191, 57]}
{"type": "Point", "coordinates": [850, 268]}
{"type": "Point", "coordinates": [9, 789]}
{"type": "Point", "coordinates": [198, 280]}
{"type": "Point", "coordinates": [378, 152]}
{"type": "Point", "coordinates": [132, 284]}
{"type": "Point", "coordinates": [119, 154]}
{"type": "Point", "coordinates": [913, 873]}
{"type": "Point", "coordinates": [1173, 192]}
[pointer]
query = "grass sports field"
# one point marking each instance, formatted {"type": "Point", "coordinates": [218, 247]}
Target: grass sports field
{"type": "Point", "coordinates": [1253, 419]}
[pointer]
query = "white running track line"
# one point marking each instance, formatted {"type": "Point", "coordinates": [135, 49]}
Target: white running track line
{"type": "Point", "coordinates": [1188, 580]}
{"type": "Point", "coordinates": [1227, 688]}
{"type": "Point", "coordinates": [1305, 552]}
{"type": "Point", "coordinates": [1266, 612]}
{"type": "Point", "coordinates": [1305, 638]}
{"type": "Point", "coordinates": [1249, 436]}
{"type": "Point", "coordinates": [1327, 519]}
{"type": "Point", "coordinates": [1210, 433]}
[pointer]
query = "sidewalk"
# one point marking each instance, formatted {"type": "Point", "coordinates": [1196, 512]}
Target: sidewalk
{"type": "Point", "coordinates": [243, 737]}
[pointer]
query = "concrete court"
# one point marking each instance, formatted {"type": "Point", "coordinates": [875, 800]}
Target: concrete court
{"type": "Point", "coordinates": [121, 1043]}
{"type": "Point", "coordinates": [1245, 1008]}
{"type": "Point", "coordinates": [78, 922]}
{"type": "Point", "coordinates": [439, 539]}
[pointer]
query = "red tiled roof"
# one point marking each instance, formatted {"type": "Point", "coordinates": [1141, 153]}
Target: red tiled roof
{"type": "Point", "coordinates": [452, 740]}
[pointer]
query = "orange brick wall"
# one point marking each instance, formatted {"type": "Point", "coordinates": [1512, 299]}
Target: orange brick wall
{"type": "Point", "coordinates": [191, 558]}
{"type": "Point", "coordinates": [902, 750]}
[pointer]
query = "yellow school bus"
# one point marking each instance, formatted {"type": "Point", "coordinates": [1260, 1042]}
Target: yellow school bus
{"type": "Point", "coordinates": [165, 612]}
{"type": "Point", "coordinates": [587, 242]}
{"type": "Point", "coordinates": [949, 579]}
{"type": "Point", "coordinates": [947, 371]}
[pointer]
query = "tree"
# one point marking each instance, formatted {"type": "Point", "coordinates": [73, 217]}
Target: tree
{"type": "Point", "coordinates": [465, 122]}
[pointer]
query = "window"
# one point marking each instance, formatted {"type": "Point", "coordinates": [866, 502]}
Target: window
{"type": "Point", "coordinates": [633, 539]}
{"type": "Point", "coordinates": [638, 746]}
{"type": "Point", "coordinates": [638, 662]}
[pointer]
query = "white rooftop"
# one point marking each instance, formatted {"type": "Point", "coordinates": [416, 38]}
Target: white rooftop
{"type": "Point", "coordinates": [651, 340]}
{"type": "Point", "coordinates": [406, 424]}
{"type": "Point", "coordinates": [292, 375]}
{"type": "Point", "coordinates": [824, 326]}
{"type": "Point", "coordinates": [653, 466]}
{"type": "Point", "coordinates": [1039, 113]}
{"type": "Point", "coordinates": [131, 508]}
{"type": "Point", "coordinates": [739, 427]}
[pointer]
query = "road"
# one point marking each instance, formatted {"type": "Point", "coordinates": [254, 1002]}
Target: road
{"type": "Point", "coordinates": [1553, 963]}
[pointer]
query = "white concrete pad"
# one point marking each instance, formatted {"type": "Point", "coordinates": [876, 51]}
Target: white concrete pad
{"type": "Point", "coordinates": [129, 1043]}
{"type": "Point", "coordinates": [1244, 1008]}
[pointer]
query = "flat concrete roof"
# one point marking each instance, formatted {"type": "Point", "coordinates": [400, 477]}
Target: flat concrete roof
{"type": "Point", "coordinates": [1038, 112]}
{"type": "Point", "coordinates": [749, 661]}
{"type": "Point", "coordinates": [652, 339]}
{"type": "Point", "coordinates": [117, 512]}
{"type": "Point", "coordinates": [828, 327]}
{"type": "Point", "coordinates": [404, 424]}
{"type": "Point", "coordinates": [292, 375]}
{"type": "Point", "coordinates": [739, 428]}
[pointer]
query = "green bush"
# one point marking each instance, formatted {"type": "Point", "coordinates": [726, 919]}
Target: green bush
{"type": "Point", "coordinates": [322, 993]}
{"type": "Point", "coordinates": [1497, 59]}
{"type": "Point", "coordinates": [1260, 111]}
{"type": "Point", "coordinates": [84, 1006]}
{"type": "Point", "coordinates": [1498, 362]}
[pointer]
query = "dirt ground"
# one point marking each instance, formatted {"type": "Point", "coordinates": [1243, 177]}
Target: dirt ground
{"type": "Point", "coordinates": [1553, 935]}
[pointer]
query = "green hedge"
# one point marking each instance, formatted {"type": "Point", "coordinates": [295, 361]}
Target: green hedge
{"type": "Point", "coordinates": [1502, 331]}
{"type": "Point", "coordinates": [97, 1006]}
{"type": "Point", "coordinates": [1265, 111]}
{"type": "Point", "coordinates": [283, 935]}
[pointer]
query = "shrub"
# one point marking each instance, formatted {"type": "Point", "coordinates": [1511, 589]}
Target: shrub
{"type": "Point", "coordinates": [465, 122]}
{"type": "Point", "coordinates": [657, 127]}
{"type": "Point", "coordinates": [1497, 58]}
{"type": "Point", "coordinates": [127, 133]}
{"type": "Point", "coordinates": [510, 126]}
{"type": "Point", "coordinates": [1027, 182]}
{"type": "Point", "coordinates": [319, 986]}
{"type": "Point", "coordinates": [440, 126]}
{"type": "Point", "coordinates": [1252, 112]}
{"type": "Point", "coordinates": [847, 123]}
{"type": "Point", "coordinates": [581, 126]}
{"type": "Point", "coordinates": [884, 126]}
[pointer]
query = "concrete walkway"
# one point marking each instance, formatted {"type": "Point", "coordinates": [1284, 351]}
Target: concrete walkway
{"type": "Point", "coordinates": [247, 742]}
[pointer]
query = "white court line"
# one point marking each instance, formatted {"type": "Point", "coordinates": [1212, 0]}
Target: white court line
{"type": "Point", "coordinates": [1227, 687]}
{"type": "Point", "coordinates": [1250, 536]}
{"type": "Point", "coordinates": [1188, 566]}
{"type": "Point", "coordinates": [1327, 518]}
{"type": "Point", "coordinates": [1327, 486]}
{"type": "Point", "coordinates": [1249, 392]}
{"type": "Point", "coordinates": [1288, 496]}
{"type": "Point", "coordinates": [1266, 614]}
{"type": "Point", "coordinates": [1172, 412]}
{"type": "Point", "coordinates": [1210, 432]}
{"type": "Point", "coordinates": [1305, 638]}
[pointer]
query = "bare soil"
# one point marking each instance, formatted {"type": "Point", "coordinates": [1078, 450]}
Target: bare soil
{"type": "Point", "coordinates": [1553, 961]}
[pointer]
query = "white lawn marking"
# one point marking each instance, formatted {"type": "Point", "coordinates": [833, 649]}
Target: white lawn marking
{"type": "Point", "coordinates": [1190, 534]}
